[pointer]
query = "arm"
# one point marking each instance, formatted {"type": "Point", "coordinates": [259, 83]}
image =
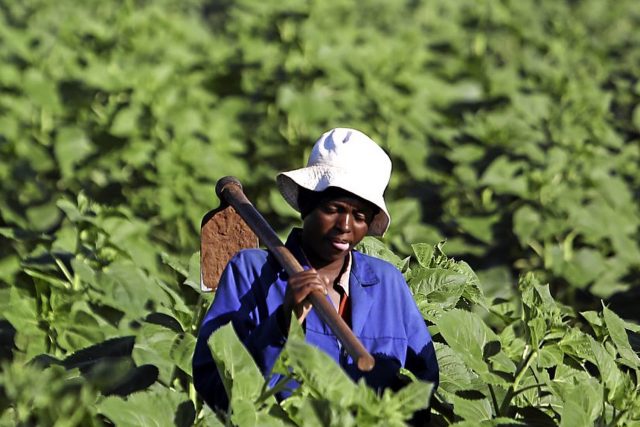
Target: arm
{"type": "Point", "coordinates": [240, 299]}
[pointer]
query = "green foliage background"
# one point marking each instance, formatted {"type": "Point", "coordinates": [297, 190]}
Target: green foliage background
{"type": "Point", "coordinates": [514, 131]}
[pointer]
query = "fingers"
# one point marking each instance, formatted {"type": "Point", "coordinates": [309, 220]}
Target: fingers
{"type": "Point", "coordinates": [302, 314]}
{"type": "Point", "coordinates": [303, 283]}
{"type": "Point", "coordinates": [300, 285]}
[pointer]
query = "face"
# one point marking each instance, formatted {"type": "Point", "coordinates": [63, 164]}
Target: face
{"type": "Point", "coordinates": [334, 227]}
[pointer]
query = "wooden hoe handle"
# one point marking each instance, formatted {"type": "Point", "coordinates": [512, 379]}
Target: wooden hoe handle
{"type": "Point", "coordinates": [229, 189]}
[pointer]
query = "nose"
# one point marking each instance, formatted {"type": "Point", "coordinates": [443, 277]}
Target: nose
{"type": "Point", "coordinates": [343, 222]}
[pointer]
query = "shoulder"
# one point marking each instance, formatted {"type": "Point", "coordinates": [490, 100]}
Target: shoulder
{"type": "Point", "coordinates": [250, 256]}
{"type": "Point", "coordinates": [255, 260]}
{"type": "Point", "coordinates": [248, 268]}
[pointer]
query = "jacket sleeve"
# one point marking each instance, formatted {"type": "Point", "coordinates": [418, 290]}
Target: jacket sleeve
{"type": "Point", "coordinates": [421, 354]}
{"type": "Point", "coordinates": [241, 300]}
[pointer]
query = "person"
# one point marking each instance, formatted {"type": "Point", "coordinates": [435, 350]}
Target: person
{"type": "Point", "coordinates": [339, 195]}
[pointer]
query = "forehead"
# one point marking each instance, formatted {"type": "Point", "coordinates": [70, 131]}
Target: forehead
{"type": "Point", "coordinates": [353, 202]}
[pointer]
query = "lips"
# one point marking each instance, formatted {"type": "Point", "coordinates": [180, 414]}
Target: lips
{"type": "Point", "coordinates": [340, 245]}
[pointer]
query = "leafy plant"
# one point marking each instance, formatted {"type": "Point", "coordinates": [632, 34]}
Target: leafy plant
{"type": "Point", "coordinates": [513, 129]}
{"type": "Point", "coordinates": [326, 396]}
{"type": "Point", "coordinates": [88, 301]}
{"type": "Point", "coordinates": [528, 360]}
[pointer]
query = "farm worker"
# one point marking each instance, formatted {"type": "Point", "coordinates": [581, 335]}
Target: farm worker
{"type": "Point", "coordinates": [339, 195]}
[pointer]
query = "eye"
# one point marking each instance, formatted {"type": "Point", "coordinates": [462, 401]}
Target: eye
{"type": "Point", "coordinates": [330, 208]}
{"type": "Point", "coordinates": [360, 216]}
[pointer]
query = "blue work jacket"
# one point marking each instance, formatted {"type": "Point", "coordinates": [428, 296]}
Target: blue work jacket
{"type": "Point", "coordinates": [384, 317]}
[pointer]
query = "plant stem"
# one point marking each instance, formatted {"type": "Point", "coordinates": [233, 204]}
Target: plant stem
{"type": "Point", "coordinates": [494, 400]}
{"type": "Point", "coordinates": [513, 389]}
{"type": "Point", "coordinates": [65, 271]}
{"type": "Point", "coordinates": [528, 387]}
{"type": "Point", "coordinates": [530, 358]}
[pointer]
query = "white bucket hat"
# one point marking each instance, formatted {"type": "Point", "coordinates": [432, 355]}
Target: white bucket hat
{"type": "Point", "coordinates": [347, 159]}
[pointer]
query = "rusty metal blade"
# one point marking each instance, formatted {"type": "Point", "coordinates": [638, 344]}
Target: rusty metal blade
{"type": "Point", "coordinates": [222, 234]}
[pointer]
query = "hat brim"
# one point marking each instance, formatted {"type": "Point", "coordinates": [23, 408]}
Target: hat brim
{"type": "Point", "coordinates": [320, 177]}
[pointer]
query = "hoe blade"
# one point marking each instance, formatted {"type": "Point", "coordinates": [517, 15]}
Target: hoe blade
{"type": "Point", "coordinates": [223, 233]}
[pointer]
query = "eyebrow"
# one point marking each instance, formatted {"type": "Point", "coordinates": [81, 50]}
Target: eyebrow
{"type": "Point", "coordinates": [358, 206]}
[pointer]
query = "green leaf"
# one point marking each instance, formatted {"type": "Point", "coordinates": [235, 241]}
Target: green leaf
{"type": "Point", "coordinates": [550, 356]}
{"type": "Point", "coordinates": [71, 147]}
{"type": "Point", "coordinates": [636, 117]}
{"type": "Point", "coordinates": [43, 217]}
{"type": "Point", "coordinates": [466, 153]}
{"type": "Point", "coordinates": [193, 277]}
{"type": "Point", "coordinates": [153, 345]}
{"type": "Point", "coordinates": [157, 407]}
{"type": "Point", "coordinates": [244, 413]}
{"type": "Point", "coordinates": [526, 221]}
{"type": "Point", "coordinates": [472, 410]}
{"type": "Point", "coordinates": [241, 377]}
{"type": "Point", "coordinates": [480, 227]}
{"type": "Point", "coordinates": [424, 253]}
{"type": "Point", "coordinates": [610, 374]}
{"type": "Point", "coordinates": [537, 328]}
{"type": "Point", "coordinates": [182, 350]}
{"type": "Point", "coordinates": [503, 176]}
{"type": "Point", "coordinates": [20, 309]}
{"type": "Point", "coordinates": [572, 414]}
{"type": "Point", "coordinates": [9, 266]}
{"type": "Point", "coordinates": [125, 122]}
{"type": "Point", "coordinates": [374, 247]}
{"type": "Point", "coordinates": [413, 397]}
{"type": "Point", "coordinates": [454, 375]}
{"type": "Point", "coordinates": [319, 373]}
{"type": "Point", "coordinates": [468, 335]}
{"type": "Point", "coordinates": [70, 210]}
{"type": "Point", "coordinates": [537, 300]}
{"type": "Point", "coordinates": [41, 90]}
{"type": "Point", "coordinates": [585, 266]}
{"type": "Point", "coordinates": [428, 280]}
{"type": "Point", "coordinates": [577, 344]}
{"type": "Point", "coordinates": [618, 333]}
{"type": "Point", "coordinates": [127, 288]}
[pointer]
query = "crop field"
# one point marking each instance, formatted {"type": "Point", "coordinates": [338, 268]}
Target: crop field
{"type": "Point", "coordinates": [514, 130]}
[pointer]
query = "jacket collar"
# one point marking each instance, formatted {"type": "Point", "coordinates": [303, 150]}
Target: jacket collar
{"type": "Point", "coordinates": [362, 270]}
